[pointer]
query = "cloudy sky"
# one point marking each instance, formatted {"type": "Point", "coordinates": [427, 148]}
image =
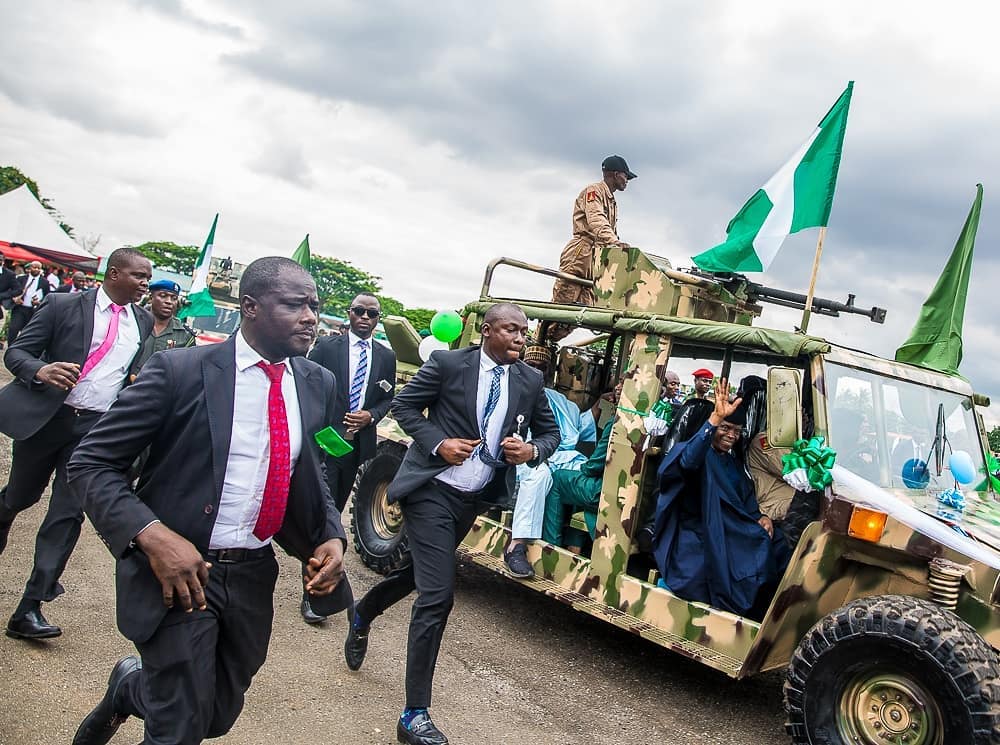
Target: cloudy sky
{"type": "Point", "coordinates": [419, 140]}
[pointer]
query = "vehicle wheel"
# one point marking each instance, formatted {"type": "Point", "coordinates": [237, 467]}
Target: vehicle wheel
{"type": "Point", "coordinates": [893, 669]}
{"type": "Point", "coordinates": [379, 534]}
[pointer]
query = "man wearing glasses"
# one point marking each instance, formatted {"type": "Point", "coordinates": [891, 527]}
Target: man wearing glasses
{"type": "Point", "coordinates": [366, 377]}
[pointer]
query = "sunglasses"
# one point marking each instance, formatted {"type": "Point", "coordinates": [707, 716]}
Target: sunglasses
{"type": "Point", "coordinates": [361, 312]}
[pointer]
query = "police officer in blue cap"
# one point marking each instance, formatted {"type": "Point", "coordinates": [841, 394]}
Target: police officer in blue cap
{"type": "Point", "coordinates": [168, 331]}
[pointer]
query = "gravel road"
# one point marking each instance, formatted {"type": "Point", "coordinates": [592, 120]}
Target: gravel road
{"type": "Point", "coordinates": [515, 667]}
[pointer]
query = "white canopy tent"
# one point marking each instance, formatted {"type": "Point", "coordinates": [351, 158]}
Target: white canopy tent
{"type": "Point", "coordinates": [32, 233]}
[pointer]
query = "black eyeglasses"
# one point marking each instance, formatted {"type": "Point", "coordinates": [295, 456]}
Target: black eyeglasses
{"type": "Point", "coordinates": [370, 312]}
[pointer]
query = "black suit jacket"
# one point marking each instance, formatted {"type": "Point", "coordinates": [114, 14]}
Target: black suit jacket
{"type": "Point", "coordinates": [69, 288]}
{"type": "Point", "coordinates": [43, 285]}
{"type": "Point", "coordinates": [181, 407]}
{"type": "Point", "coordinates": [8, 286]}
{"type": "Point", "coordinates": [447, 386]}
{"type": "Point", "coordinates": [332, 352]}
{"type": "Point", "coordinates": [59, 331]}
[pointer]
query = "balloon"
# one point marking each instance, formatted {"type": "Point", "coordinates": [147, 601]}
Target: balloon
{"type": "Point", "coordinates": [428, 345]}
{"type": "Point", "coordinates": [446, 325]}
{"type": "Point", "coordinates": [962, 467]}
{"type": "Point", "coordinates": [915, 474]}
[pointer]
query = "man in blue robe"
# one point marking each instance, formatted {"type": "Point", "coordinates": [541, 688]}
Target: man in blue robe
{"type": "Point", "coordinates": [711, 542]}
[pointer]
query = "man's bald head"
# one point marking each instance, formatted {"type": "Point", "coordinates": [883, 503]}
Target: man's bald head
{"type": "Point", "coordinates": [503, 312]}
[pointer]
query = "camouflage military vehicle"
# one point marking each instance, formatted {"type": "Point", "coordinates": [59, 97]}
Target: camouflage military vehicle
{"type": "Point", "coordinates": [887, 620]}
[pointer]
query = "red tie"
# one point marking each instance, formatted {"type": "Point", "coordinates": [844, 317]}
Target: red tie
{"type": "Point", "coordinates": [272, 505]}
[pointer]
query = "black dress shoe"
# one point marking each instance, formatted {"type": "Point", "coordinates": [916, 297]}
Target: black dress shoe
{"type": "Point", "coordinates": [517, 562]}
{"type": "Point", "coordinates": [307, 613]}
{"type": "Point", "coordinates": [356, 644]}
{"type": "Point", "coordinates": [31, 625]}
{"type": "Point", "coordinates": [420, 732]}
{"type": "Point", "coordinates": [102, 723]}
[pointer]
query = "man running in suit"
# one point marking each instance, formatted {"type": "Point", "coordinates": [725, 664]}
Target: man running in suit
{"type": "Point", "coordinates": [233, 463]}
{"type": "Point", "coordinates": [32, 288]}
{"type": "Point", "coordinates": [366, 377]}
{"type": "Point", "coordinates": [69, 363]}
{"type": "Point", "coordinates": [478, 401]}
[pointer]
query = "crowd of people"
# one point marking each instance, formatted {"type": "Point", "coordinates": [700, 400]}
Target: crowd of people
{"type": "Point", "coordinates": [193, 461]}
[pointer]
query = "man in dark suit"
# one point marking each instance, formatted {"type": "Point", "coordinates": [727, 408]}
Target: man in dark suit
{"type": "Point", "coordinates": [69, 364]}
{"type": "Point", "coordinates": [8, 285]}
{"type": "Point", "coordinates": [366, 376]}
{"type": "Point", "coordinates": [32, 287]}
{"type": "Point", "coordinates": [79, 284]}
{"type": "Point", "coordinates": [233, 462]}
{"type": "Point", "coordinates": [480, 402]}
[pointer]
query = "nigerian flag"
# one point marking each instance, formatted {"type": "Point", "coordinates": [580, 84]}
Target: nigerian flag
{"type": "Point", "coordinates": [200, 303]}
{"type": "Point", "coordinates": [302, 255]}
{"type": "Point", "coordinates": [798, 196]}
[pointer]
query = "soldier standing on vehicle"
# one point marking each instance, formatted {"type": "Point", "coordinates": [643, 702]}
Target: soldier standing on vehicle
{"type": "Point", "coordinates": [703, 382]}
{"type": "Point", "coordinates": [168, 331]}
{"type": "Point", "coordinates": [468, 412]}
{"type": "Point", "coordinates": [595, 221]}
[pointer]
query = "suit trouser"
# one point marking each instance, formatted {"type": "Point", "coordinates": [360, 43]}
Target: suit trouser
{"type": "Point", "coordinates": [437, 518]}
{"type": "Point", "coordinates": [19, 317]}
{"type": "Point", "coordinates": [197, 666]}
{"type": "Point", "coordinates": [340, 474]}
{"type": "Point", "coordinates": [32, 464]}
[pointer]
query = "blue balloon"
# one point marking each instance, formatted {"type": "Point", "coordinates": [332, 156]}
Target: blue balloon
{"type": "Point", "coordinates": [915, 474]}
{"type": "Point", "coordinates": [962, 467]}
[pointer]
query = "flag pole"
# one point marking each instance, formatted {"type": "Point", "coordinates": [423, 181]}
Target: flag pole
{"type": "Point", "coordinates": [807, 311]}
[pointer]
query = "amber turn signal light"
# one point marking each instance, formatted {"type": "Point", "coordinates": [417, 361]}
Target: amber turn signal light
{"type": "Point", "coordinates": [868, 525]}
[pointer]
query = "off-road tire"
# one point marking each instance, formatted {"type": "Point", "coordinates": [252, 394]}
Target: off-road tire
{"type": "Point", "coordinates": [839, 675]}
{"type": "Point", "coordinates": [379, 535]}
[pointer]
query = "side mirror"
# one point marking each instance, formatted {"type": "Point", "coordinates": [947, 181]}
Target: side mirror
{"type": "Point", "coordinates": [784, 406]}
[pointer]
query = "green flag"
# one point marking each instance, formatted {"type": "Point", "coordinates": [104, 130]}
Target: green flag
{"type": "Point", "coordinates": [936, 338]}
{"type": "Point", "coordinates": [200, 303]}
{"type": "Point", "coordinates": [302, 256]}
{"type": "Point", "coordinates": [798, 196]}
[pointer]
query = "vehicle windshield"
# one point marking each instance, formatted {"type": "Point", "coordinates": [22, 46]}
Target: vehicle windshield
{"type": "Point", "coordinates": [226, 321]}
{"type": "Point", "coordinates": [885, 430]}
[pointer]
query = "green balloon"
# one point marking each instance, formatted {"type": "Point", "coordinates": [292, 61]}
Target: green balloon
{"type": "Point", "coordinates": [446, 325]}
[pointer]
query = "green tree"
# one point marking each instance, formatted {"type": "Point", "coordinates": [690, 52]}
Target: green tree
{"type": "Point", "coordinates": [994, 437]}
{"type": "Point", "coordinates": [420, 317]}
{"type": "Point", "coordinates": [170, 257]}
{"type": "Point", "coordinates": [11, 178]}
{"type": "Point", "coordinates": [338, 282]}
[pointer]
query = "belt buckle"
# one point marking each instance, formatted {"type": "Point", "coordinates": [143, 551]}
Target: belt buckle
{"type": "Point", "coordinates": [230, 555]}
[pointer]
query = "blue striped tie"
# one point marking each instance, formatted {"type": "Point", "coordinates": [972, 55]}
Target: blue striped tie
{"type": "Point", "coordinates": [491, 404]}
{"type": "Point", "coordinates": [359, 377]}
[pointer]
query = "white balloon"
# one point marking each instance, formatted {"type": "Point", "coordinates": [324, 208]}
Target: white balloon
{"type": "Point", "coordinates": [429, 344]}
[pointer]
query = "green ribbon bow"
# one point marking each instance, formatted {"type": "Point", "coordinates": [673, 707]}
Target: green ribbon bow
{"type": "Point", "coordinates": [814, 458]}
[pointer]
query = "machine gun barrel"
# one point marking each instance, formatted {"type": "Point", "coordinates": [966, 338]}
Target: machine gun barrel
{"type": "Point", "coordinates": [737, 283]}
{"type": "Point", "coordinates": [819, 305]}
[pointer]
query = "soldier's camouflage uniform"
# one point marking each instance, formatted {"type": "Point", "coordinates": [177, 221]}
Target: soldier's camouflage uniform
{"type": "Point", "coordinates": [595, 220]}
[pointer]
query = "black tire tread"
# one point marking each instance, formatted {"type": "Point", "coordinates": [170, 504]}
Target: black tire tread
{"type": "Point", "coordinates": [929, 629]}
{"type": "Point", "coordinates": [381, 563]}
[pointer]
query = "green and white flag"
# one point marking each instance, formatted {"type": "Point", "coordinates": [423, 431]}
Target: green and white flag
{"type": "Point", "coordinates": [798, 196]}
{"type": "Point", "coordinates": [200, 303]}
{"type": "Point", "coordinates": [302, 255]}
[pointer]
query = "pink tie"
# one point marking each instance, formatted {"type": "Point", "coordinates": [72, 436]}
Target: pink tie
{"type": "Point", "coordinates": [109, 341]}
{"type": "Point", "coordinates": [275, 498]}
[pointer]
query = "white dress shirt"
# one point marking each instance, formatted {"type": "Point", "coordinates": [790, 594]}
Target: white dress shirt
{"type": "Point", "coordinates": [99, 388]}
{"type": "Point", "coordinates": [250, 449]}
{"type": "Point", "coordinates": [31, 289]}
{"type": "Point", "coordinates": [53, 280]}
{"type": "Point", "coordinates": [473, 474]}
{"type": "Point", "coordinates": [352, 364]}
